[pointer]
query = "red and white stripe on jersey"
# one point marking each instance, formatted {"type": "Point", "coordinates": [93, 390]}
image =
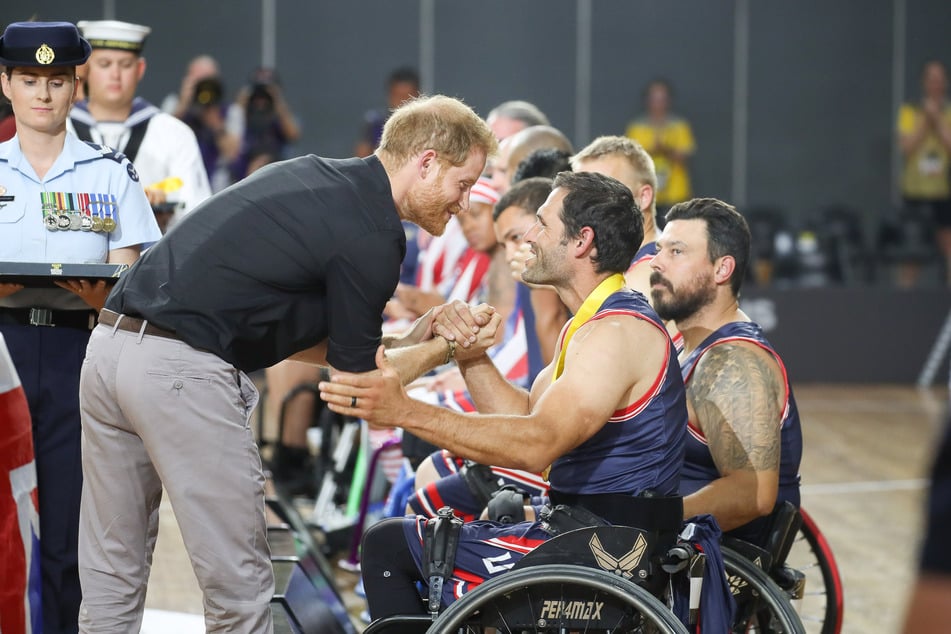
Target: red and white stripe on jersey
{"type": "Point", "coordinates": [514, 543]}
{"type": "Point", "coordinates": [429, 500]}
{"type": "Point", "coordinates": [644, 258]}
{"type": "Point", "coordinates": [463, 582]}
{"type": "Point", "coordinates": [511, 359]}
{"type": "Point", "coordinates": [678, 341]}
{"type": "Point", "coordinates": [458, 401]}
{"type": "Point", "coordinates": [695, 431]}
{"type": "Point", "coordinates": [438, 260]}
{"type": "Point", "coordinates": [470, 276]}
{"type": "Point", "coordinates": [640, 404]}
{"type": "Point", "coordinates": [483, 192]}
{"type": "Point", "coordinates": [534, 483]}
{"type": "Point", "coordinates": [511, 356]}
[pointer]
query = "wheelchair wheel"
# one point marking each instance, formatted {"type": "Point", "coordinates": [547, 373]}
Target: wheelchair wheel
{"type": "Point", "coordinates": [558, 598]}
{"type": "Point", "coordinates": [822, 605]}
{"type": "Point", "coordinates": [761, 606]}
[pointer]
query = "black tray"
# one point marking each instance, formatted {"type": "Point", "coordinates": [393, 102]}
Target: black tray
{"type": "Point", "coordinates": [43, 274]}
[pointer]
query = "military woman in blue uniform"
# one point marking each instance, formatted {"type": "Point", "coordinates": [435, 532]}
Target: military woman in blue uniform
{"type": "Point", "coordinates": [65, 201]}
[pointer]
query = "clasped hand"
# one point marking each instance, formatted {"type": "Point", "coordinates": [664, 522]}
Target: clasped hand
{"type": "Point", "coordinates": [378, 396]}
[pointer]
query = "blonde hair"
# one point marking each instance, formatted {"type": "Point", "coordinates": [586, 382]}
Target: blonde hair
{"type": "Point", "coordinates": [438, 123]}
{"type": "Point", "coordinates": [638, 157]}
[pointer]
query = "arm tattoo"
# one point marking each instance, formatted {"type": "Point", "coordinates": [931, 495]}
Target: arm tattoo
{"type": "Point", "coordinates": [736, 394]}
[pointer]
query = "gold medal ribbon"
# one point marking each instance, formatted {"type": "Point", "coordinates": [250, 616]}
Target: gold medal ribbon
{"type": "Point", "coordinates": [589, 307]}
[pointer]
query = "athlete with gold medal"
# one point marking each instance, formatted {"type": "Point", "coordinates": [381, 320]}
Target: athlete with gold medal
{"type": "Point", "coordinates": [609, 414]}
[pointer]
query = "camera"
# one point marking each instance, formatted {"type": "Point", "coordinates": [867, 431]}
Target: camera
{"type": "Point", "coordinates": [208, 92]}
{"type": "Point", "coordinates": [261, 96]}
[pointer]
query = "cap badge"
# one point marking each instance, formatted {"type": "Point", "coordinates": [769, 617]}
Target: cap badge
{"type": "Point", "coordinates": [45, 55]}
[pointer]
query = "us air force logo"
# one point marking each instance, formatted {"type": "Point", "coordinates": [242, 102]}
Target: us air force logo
{"type": "Point", "coordinates": [623, 565]}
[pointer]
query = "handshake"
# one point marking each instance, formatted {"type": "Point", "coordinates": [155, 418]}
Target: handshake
{"type": "Point", "coordinates": [470, 330]}
{"type": "Point", "coordinates": [453, 331]}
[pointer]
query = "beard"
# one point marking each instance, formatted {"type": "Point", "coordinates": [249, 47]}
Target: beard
{"type": "Point", "coordinates": [428, 208]}
{"type": "Point", "coordinates": [680, 304]}
{"type": "Point", "coordinates": [546, 268]}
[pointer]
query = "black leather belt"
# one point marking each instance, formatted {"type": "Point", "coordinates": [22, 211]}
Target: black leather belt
{"type": "Point", "coordinates": [79, 319]}
{"type": "Point", "coordinates": [134, 324]}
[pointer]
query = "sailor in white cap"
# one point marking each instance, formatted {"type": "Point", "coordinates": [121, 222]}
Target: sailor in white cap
{"type": "Point", "coordinates": [163, 149]}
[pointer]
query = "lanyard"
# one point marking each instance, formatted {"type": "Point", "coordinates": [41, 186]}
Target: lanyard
{"type": "Point", "coordinates": [589, 307]}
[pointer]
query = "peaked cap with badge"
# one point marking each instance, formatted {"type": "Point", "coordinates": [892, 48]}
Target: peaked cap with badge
{"type": "Point", "coordinates": [43, 44]}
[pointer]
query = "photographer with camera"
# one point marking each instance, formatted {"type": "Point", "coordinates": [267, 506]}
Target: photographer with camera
{"type": "Point", "coordinates": [217, 126]}
{"type": "Point", "coordinates": [269, 125]}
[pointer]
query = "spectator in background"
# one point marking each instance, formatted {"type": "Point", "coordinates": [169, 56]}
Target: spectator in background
{"type": "Point", "coordinates": [545, 163]}
{"type": "Point", "coordinates": [510, 117]}
{"type": "Point", "coordinates": [625, 160]}
{"type": "Point", "coordinates": [924, 135]}
{"type": "Point", "coordinates": [514, 149]}
{"type": "Point", "coordinates": [402, 84]}
{"type": "Point", "coordinates": [201, 67]}
{"type": "Point", "coordinates": [162, 148]}
{"type": "Point", "coordinates": [218, 128]}
{"type": "Point", "coordinates": [82, 74]}
{"type": "Point", "coordinates": [669, 141]}
{"type": "Point", "coordinates": [269, 125]}
{"type": "Point", "coordinates": [549, 312]}
{"type": "Point", "coordinates": [506, 120]}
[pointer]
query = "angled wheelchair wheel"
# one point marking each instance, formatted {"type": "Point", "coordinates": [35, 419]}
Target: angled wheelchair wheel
{"type": "Point", "coordinates": [822, 604]}
{"type": "Point", "coordinates": [558, 598]}
{"type": "Point", "coordinates": [762, 607]}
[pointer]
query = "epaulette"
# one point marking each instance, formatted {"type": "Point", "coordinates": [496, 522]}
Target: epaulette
{"type": "Point", "coordinates": [115, 155]}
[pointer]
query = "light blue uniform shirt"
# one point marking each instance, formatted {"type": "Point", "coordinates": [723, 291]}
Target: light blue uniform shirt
{"type": "Point", "coordinates": [80, 168]}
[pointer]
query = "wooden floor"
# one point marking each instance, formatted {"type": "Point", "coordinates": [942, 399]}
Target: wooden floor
{"type": "Point", "coordinates": [867, 452]}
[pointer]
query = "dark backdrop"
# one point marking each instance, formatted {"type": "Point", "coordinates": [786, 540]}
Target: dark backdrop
{"type": "Point", "coordinates": [821, 76]}
{"type": "Point", "coordinates": [819, 81]}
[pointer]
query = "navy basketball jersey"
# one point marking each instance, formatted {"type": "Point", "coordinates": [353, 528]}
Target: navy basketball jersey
{"type": "Point", "coordinates": [641, 447]}
{"type": "Point", "coordinates": [699, 468]}
{"type": "Point", "coordinates": [645, 253]}
{"type": "Point", "coordinates": [523, 300]}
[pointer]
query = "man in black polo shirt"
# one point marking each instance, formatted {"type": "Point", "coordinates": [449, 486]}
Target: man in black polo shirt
{"type": "Point", "coordinates": [296, 261]}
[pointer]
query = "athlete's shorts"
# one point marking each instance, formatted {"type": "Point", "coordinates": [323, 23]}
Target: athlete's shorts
{"type": "Point", "coordinates": [486, 550]}
{"type": "Point", "coordinates": [451, 489]}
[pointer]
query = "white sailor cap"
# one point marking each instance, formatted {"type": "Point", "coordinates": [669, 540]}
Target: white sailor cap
{"type": "Point", "coordinates": [113, 34]}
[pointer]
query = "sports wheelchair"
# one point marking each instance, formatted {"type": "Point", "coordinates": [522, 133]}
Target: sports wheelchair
{"type": "Point", "coordinates": [803, 565]}
{"type": "Point", "coordinates": [601, 579]}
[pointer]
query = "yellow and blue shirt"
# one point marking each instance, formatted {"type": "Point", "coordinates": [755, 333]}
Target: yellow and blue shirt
{"type": "Point", "coordinates": [925, 174]}
{"type": "Point", "coordinates": [673, 179]}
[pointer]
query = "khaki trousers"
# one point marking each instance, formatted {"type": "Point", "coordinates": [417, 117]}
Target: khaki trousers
{"type": "Point", "coordinates": [155, 412]}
